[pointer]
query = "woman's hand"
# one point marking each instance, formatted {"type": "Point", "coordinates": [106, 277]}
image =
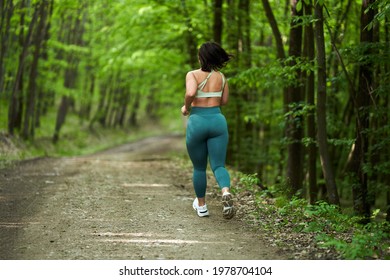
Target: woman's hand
{"type": "Point", "coordinates": [184, 111]}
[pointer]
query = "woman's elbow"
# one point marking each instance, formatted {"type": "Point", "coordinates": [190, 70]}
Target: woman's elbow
{"type": "Point", "coordinates": [190, 94]}
{"type": "Point", "coordinates": [224, 102]}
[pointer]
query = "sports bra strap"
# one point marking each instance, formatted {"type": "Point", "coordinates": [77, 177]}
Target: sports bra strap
{"type": "Point", "coordinates": [202, 84]}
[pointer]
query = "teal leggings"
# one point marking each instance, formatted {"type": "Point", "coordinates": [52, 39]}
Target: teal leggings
{"type": "Point", "coordinates": [207, 137]}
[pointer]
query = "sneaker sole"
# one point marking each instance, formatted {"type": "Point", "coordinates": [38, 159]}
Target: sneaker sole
{"type": "Point", "coordinates": [228, 209]}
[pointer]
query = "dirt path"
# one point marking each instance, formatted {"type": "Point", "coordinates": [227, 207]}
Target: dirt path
{"type": "Point", "coordinates": [130, 202]}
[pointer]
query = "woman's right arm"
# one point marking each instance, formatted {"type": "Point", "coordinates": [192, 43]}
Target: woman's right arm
{"type": "Point", "coordinates": [225, 94]}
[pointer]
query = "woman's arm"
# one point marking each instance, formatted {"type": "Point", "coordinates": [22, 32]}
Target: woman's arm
{"type": "Point", "coordinates": [191, 88]}
{"type": "Point", "coordinates": [225, 94]}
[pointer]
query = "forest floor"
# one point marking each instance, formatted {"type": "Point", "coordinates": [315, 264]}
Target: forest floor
{"type": "Point", "coordinates": [131, 202]}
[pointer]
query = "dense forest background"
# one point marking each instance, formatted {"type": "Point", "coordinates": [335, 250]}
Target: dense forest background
{"type": "Point", "coordinates": [310, 82]}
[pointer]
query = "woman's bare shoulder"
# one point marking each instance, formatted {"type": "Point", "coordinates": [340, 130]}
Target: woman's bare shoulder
{"type": "Point", "coordinates": [192, 74]}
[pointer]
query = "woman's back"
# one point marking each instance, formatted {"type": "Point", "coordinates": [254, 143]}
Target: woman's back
{"type": "Point", "coordinates": [211, 88]}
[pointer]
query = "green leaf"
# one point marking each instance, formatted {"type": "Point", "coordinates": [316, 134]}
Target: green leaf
{"type": "Point", "coordinates": [299, 6]}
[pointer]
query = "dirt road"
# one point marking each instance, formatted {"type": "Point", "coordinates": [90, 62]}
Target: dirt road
{"type": "Point", "coordinates": [132, 202]}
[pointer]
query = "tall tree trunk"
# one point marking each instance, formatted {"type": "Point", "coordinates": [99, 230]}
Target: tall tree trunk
{"type": "Point", "coordinates": [360, 157]}
{"type": "Point", "coordinates": [15, 105]}
{"type": "Point", "coordinates": [6, 12]}
{"type": "Point", "coordinates": [388, 203]}
{"type": "Point", "coordinates": [43, 94]}
{"type": "Point", "coordinates": [133, 120]}
{"type": "Point", "coordinates": [322, 137]}
{"type": "Point", "coordinates": [387, 103]}
{"type": "Point", "coordinates": [310, 96]}
{"type": "Point", "coordinates": [190, 37]}
{"type": "Point", "coordinates": [247, 129]}
{"type": "Point", "coordinates": [61, 116]}
{"type": "Point", "coordinates": [244, 36]}
{"type": "Point", "coordinates": [123, 108]}
{"type": "Point", "coordinates": [295, 99]}
{"type": "Point", "coordinates": [106, 110]}
{"type": "Point", "coordinates": [281, 56]}
{"type": "Point", "coordinates": [218, 23]}
{"type": "Point", "coordinates": [29, 115]}
{"type": "Point", "coordinates": [99, 115]}
{"type": "Point", "coordinates": [232, 111]}
{"type": "Point", "coordinates": [75, 36]}
{"type": "Point", "coordinates": [275, 29]}
{"type": "Point", "coordinates": [232, 31]}
{"type": "Point", "coordinates": [85, 110]}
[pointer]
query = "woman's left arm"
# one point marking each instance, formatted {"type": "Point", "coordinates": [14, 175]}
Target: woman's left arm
{"type": "Point", "coordinates": [191, 88]}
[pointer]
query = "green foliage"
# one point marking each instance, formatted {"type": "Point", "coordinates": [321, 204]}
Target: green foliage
{"type": "Point", "coordinates": [331, 228]}
{"type": "Point", "coordinates": [368, 242]}
{"type": "Point", "coordinates": [276, 74]}
{"type": "Point", "coordinates": [383, 8]}
{"type": "Point", "coordinates": [249, 182]}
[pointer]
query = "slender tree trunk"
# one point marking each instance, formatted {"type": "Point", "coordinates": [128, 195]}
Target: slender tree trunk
{"type": "Point", "coordinates": [322, 137]}
{"type": "Point", "coordinates": [376, 120]}
{"type": "Point", "coordinates": [247, 129]}
{"type": "Point", "coordinates": [310, 97]}
{"type": "Point", "coordinates": [116, 93]}
{"type": "Point", "coordinates": [295, 99]}
{"type": "Point", "coordinates": [152, 106]}
{"type": "Point", "coordinates": [360, 157]}
{"type": "Point", "coordinates": [218, 23]}
{"type": "Point", "coordinates": [106, 109]}
{"type": "Point", "coordinates": [61, 116]}
{"type": "Point", "coordinates": [29, 115]}
{"type": "Point", "coordinates": [244, 36]}
{"type": "Point", "coordinates": [233, 111]}
{"type": "Point", "coordinates": [387, 103]}
{"type": "Point", "coordinates": [388, 204]}
{"type": "Point", "coordinates": [190, 37]}
{"type": "Point", "coordinates": [275, 29]}
{"type": "Point", "coordinates": [7, 9]}
{"type": "Point", "coordinates": [123, 108]}
{"type": "Point", "coordinates": [133, 120]}
{"type": "Point", "coordinates": [15, 106]}
{"type": "Point", "coordinates": [232, 31]}
{"type": "Point", "coordinates": [281, 56]}
{"type": "Point", "coordinates": [91, 90]}
{"type": "Point", "coordinates": [43, 95]}
{"type": "Point", "coordinates": [99, 115]}
{"type": "Point", "coordinates": [76, 23]}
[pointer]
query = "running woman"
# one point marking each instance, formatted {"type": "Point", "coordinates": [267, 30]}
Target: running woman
{"type": "Point", "coordinates": [207, 132]}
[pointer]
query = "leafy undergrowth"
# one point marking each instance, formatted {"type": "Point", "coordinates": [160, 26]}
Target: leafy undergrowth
{"type": "Point", "coordinates": [306, 231]}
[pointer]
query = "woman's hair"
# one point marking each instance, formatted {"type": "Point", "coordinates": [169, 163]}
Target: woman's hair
{"type": "Point", "coordinates": [212, 56]}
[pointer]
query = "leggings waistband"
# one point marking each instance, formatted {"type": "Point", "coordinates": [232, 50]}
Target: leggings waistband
{"type": "Point", "coordinates": [205, 110]}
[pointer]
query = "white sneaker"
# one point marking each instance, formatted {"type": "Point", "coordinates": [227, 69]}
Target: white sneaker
{"type": "Point", "coordinates": [228, 208]}
{"type": "Point", "coordinates": [201, 210]}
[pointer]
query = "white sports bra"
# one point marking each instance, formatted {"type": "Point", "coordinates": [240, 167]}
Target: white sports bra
{"type": "Point", "coordinates": [201, 94]}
